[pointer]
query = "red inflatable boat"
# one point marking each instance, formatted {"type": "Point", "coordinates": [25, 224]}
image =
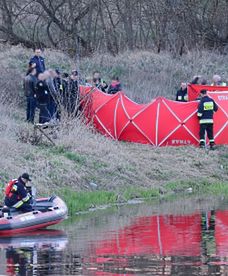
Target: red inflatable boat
{"type": "Point", "coordinates": [46, 212]}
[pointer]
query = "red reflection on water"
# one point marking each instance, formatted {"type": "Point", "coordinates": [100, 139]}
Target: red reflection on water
{"type": "Point", "coordinates": [221, 233]}
{"type": "Point", "coordinates": [159, 235]}
{"type": "Point", "coordinates": [162, 239]}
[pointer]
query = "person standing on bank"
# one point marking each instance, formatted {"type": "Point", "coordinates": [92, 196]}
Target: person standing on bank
{"type": "Point", "coordinates": [206, 109]}
{"type": "Point", "coordinates": [38, 61]}
{"type": "Point", "coordinates": [16, 195]}
{"type": "Point", "coordinates": [43, 98]}
{"type": "Point", "coordinates": [73, 95]}
{"type": "Point", "coordinates": [99, 82]}
{"type": "Point", "coordinates": [182, 93]}
{"type": "Point", "coordinates": [30, 89]}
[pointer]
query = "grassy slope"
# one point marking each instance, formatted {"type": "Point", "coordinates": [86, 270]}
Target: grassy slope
{"type": "Point", "coordinates": [82, 156]}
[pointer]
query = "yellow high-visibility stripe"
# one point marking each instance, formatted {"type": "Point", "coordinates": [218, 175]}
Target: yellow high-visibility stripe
{"type": "Point", "coordinates": [206, 121]}
{"type": "Point", "coordinates": [18, 204]}
{"type": "Point", "coordinates": [26, 198]}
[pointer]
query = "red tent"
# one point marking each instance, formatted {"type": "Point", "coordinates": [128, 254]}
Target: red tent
{"type": "Point", "coordinates": [176, 123]}
{"type": "Point", "coordinates": [159, 123]}
{"type": "Point", "coordinates": [194, 90]}
{"type": "Point", "coordinates": [135, 122]}
{"type": "Point", "coordinates": [220, 117]}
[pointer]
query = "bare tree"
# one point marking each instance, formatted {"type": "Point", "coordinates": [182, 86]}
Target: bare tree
{"type": "Point", "coordinates": [115, 25]}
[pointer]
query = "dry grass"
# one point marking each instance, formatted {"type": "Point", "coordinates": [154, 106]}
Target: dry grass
{"type": "Point", "coordinates": [146, 75]}
{"type": "Point", "coordinates": [83, 156]}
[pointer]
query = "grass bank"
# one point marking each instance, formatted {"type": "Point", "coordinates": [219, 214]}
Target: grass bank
{"type": "Point", "coordinates": [84, 201]}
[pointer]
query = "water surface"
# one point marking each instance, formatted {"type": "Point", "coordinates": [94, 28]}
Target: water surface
{"type": "Point", "coordinates": [185, 237]}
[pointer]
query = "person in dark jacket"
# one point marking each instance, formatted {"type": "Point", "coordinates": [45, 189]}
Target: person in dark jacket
{"type": "Point", "coordinates": [115, 86]}
{"type": "Point", "coordinates": [206, 109]}
{"type": "Point", "coordinates": [73, 94]}
{"type": "Point", "coordinates": [43, 97]}
{"type": "Point", "coordinates": [30, 90]}
{"type": "Point", "coordinates": [59, 84]}
{"type": "Point", "coordinates": [99, 82]}
{"type": "Point", "coordinates": [182, 93]}
{"type": "Point", "coordinates": [196, 80]}
{"type": "Point", "coordinates": [65, 83]}
{"type": "Point", "coordinates": [18, 196]}
{"type": "Point", "coordinates": [38, 61]}
{"type": "Point", "coordinates": [53, 92]}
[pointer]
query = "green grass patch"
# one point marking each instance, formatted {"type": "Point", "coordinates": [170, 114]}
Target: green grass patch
{"type": "Point", "coordinates": [73, 156]}
{"type": "Point", "coordinates": [217, 189]}
{"type": "Point", "coordinates": [132, 193]}
{"type": "Point", "coordinates": [200, 187]}
{"type": "Point", "coordinates": [99, 165]}
{"type": "Point", "coordinates": [83, 201]}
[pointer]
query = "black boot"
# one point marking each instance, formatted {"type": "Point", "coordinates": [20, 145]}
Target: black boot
{"type": "Point", "coordinates": [212, 146]}
{"type": "Point", "coordinates": [202, 145]}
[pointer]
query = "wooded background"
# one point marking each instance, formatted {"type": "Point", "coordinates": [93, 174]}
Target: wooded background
{"type": "Point", "coordinates": [86, 26]}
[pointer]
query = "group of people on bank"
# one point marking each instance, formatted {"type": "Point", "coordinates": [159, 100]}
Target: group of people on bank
{"type": "Point", "coordinates": [182, 92]}
{"type": "Point", "coordinates": [206, 107]}
{"type": "Point", "coordinates": [53, 92]}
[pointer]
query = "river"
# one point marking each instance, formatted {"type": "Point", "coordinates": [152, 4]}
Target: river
{"type": "Point", "coordinates": [182, 237]}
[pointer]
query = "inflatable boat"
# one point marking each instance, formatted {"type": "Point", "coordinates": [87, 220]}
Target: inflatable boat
{"type": "Point", "coordinates": [46, 212]}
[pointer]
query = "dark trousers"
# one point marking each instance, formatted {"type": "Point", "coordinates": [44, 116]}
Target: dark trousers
{"type": "Point", "coordinates": [44, 114]}
{"type": "Point", "coordinates": [25, 207]}
{"type": "Point", "coordinates": [206, 128]}
{"type": "Point", "coordinates": [73, 106]}
{"type": "Point", "coordinates": [52, 109]}
{"type": "Point", "coordinates": [31, 108]}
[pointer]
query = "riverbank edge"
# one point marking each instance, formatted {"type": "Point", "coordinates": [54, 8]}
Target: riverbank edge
{"type": "Point", "coordinates": [86, 200]}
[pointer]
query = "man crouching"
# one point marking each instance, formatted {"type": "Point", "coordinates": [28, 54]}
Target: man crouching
{"type": "Point", "coordinates": [16, 195]}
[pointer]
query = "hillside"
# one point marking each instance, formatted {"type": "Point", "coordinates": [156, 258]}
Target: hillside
{"type": "Point", "coordinates": [82, 156]}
